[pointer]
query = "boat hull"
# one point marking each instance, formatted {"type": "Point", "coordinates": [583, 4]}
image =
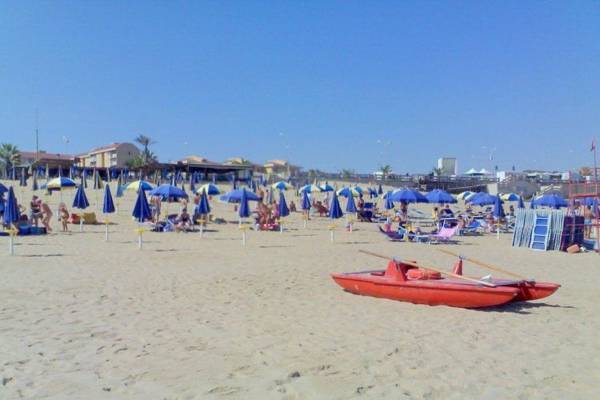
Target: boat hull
{"type": "Point", "coordinates": [448, 292]}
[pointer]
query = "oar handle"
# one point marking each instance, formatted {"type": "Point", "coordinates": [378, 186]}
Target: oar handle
{"type": "Point", "coordinates": [431, 268]}
{"type": "Point", "coordinates": [482, 264]}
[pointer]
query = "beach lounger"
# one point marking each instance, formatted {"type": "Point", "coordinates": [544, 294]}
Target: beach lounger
{"type": "Point", "coordinates": [445, 235]}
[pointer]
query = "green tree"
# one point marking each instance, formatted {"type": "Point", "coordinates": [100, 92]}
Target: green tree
{"type": "Point", "coordinates": [9, 156]}
{"type": "Point", "coordinates": [347, 173]}
{"type": "Point", "coordinates": [145, 142]}
{"type": "Point", "coordinates": [437, 171]}
{"type": "Point", "coordinates": [385, 170]}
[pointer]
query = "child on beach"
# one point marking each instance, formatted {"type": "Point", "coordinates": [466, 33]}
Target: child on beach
{"type": "Point", "coordinates": [63, 217]}
{"type": "Point", "coordinates": [46, 216]}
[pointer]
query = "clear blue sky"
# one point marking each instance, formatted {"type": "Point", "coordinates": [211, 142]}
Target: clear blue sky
{"type": "Point", "coordinates": [325, 84]}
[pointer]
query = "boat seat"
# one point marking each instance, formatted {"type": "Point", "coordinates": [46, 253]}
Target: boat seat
{"type": "Point", "coordinates": [422, 274]}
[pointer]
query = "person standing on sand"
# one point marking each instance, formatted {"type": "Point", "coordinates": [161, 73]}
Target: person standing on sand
{"type": "Point", "coordinates": [46, 216]}
{"type": "Point", "coordinates": [588, 215]}
{"type": "Point", "coordinates": [64, 217]}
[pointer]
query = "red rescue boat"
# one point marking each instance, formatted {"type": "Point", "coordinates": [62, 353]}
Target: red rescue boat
{"type": "Point", "coordinates": [404, 282]}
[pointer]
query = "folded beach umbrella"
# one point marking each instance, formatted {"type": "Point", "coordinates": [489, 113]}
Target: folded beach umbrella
{"type": "Point", "coordinates": [35, 182]}
{"type": "Point", "coordinates": [284, 211]}
{"type": "Point", "coordinates": [521, 203]}
{"type": "Point", "coordinates": [168, 193]}
{"type": "Point", "coordinates": [351, 205]}
{"type": "Point", "coordinates": [60, 183]}
{"type": "Point", "coordinates": [335, 211]}
{"type": "Point", "coordinates": [408, 196]}
{"type": "Point", "coordinates": [210, 188]}
{"type": "Point", "coordinates": [120, 190]}
{"type": "Point", "coordinates": [305, 201]}
{"type": "Point", "coordinates": [498, 209]}
{"type": "Point", "coordinates": [80, 200]}
{"type": "Point", "coordinates": [372, 192]}
{"type": "Point", "coordinates": [464, 195]}
{"type": "Point", "coordinates": [11, 209]}
{"type": "Point", "coordinates": [60, 171]}
{"type": "Point", "coordinates": [136, 185]}
{"type": "Point", "coordinates": [84, 174]}
{"type": "Point", "coordinates": [380, 190]}
{"type": "Point", "coordinates": [281, 185]}
{"type": "Point", "coordinates": [141, 210]}
{"type": "Point", "coordinates": [97, 180]}
{"type": "Point", "coordinates": [244, 210]}
{"type": "Point", "coordinates": [326, 187]}
{"type": "Point", "coordinates": [203, 205]}
{"type": "Point", "coordinates": [389, 203]}
{"type": "Point", "coordinates": [23, 178]}
{"type": "Point", "coordinates": [269, 196]}
{"type": "Point", "coordinates": [551, 200]}
{"type": "Point", "coordinates": [192, 184]}
{"type": "Point", "coordinates": [440, 197]}
{"type": "Point", "coordinates": [596, 208]}
{"type": "Point", "coordinates": [3, 189]}
{"type": "Point", "coordinates": [310, 189]}
{"type": "Point", "coordinates": [235, 196]}
{"type": "Point", "coordinates": [510, 197]}
{"type": "Point", "coordinates": [109, 206]}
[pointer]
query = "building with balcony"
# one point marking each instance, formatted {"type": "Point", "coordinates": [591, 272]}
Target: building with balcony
{"type": "Point", "coordinates": [114, 155]}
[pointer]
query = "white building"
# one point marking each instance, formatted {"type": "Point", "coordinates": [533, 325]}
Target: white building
{"type": "Point", "coordinates": [448, 166]}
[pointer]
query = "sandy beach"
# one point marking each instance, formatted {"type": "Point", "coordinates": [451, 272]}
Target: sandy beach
{"type": "Point", "coordinates": [192, 317]}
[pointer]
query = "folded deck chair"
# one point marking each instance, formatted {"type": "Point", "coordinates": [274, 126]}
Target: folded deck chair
{"type": "Point", "coordinates": [393, 236]}
{"type": "Point", "coordinates": [443, 236]}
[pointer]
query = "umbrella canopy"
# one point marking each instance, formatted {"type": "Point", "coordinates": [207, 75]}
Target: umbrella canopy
{"type": "Point", "coordinates": [169, 193]}
{"type": "Point", "coordinates": [351, 205]}
{"type": "Point", "coordinates": [80, 201]}
{"type": "Point", "coordinates": [305, 201]}
{"type": "Point", "coordinates": [203, 206]}
{"type": "Point", "coordinates": [464, 195]}
{"type": "Point", "coordinates": [11, 210]}
{"type": "Point", "coordinates": [109, 205]}
{"type": "Point", "coordinates": [235, 196]}
{"type": "Point", "coordinates": [141, 210]}
{"type": "Point", "coordinates": [482, 199]}
{"type": "Point", "coordinates": [350, 191]}
{"type": "Point", "coordinates": [136, 185]}
{"type": "Point", "coordinates": [372, 192]}
{"type": "Point", "coordinates": [244, 210]}
{"type": "Point", "coordinates": [521, 203]}
{"type": "Point", "coordinates": [510, 197]}
{"type": "Point", "coordinates": [440, 196]}
{"type": "Point", "coordinates": [551, 200]}
{"type": "Point", "coordinates": [389, 204]}
{"type": "Point", "coordinates": [408, 196]}
{"type": "Point", "coordinates": [326, 187]}
{"type": "Point", "coordinates": [310, 189]}
{"type": "Point", "coordinates": [498, 209]}
{"type": "Point", "coordinates": [3, 189]}
{"type": "Point", "coordinates": [335, 211]}
{"type": "Point", "coordinates": [284, 211]}
{"type": "Point", "coordinates": [588, 201]}
{"type": "Point", "coordinates": [281, 185]}
{"type": "Point", "coordinates": [210, 188]}
{"type": "Point", "coordinates": [60, 183]}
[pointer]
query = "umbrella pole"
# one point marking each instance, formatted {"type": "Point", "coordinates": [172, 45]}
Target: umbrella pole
{"type": "Point", "coordinates": [81, 222]}
{"type": "Point", "coordinates": [280, 226]}
{"type": "Point", "coordinates": [11, 241]}
{"type": "Point", "coordinates": [305, 217]}
{"type": "Point", "coordinates": [106, 230]}
{"type": "Point", "coordinates": [332, 232]}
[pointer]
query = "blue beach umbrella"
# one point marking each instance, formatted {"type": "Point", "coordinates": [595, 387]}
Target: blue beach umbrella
{"type": "Point", "coordinates": [3, 189]}
{"type": "Point", "coordinates": [521, 203]}
{"type": "Point", "coordinates": [482, 199]}
{"type": "Point", "coordinates": [380, 190]}
{"type": "Point", "coordinates": [244, 210]}
{"type": "Point", "coordinates": [169, 193]}
{"type": "Point", "coordinates": [109, 206]}
{"type": "Point", "coordinates": [23, 178]}
{"type": "Point", "coordinates": [372, 192]}
{"type": "Point", "coordinates": [281, 185]}
{"type": "Point", "coordinates": [310, 189]}
{"type": "Point", "coordinates": [97, 180]}
{"type": "Point", "coordinates": [335, 211]}
{"type": "Point", "coordinates": [284, 211]}
{"type": "Point", "coordinates": [141, 210]}
{"type": "Point", "coordinates": [192, 184]}
{"type": "Point", "coordinates": [510, 197]}
{"type": "Point", "coordinates": [551, 200]}
{"type": "Point", "coordinates": [203, 206]}
{"type": "Point", "coordinates": [120, 190]}
{"type": "Point", "coordinates": [60, 183]}
{"type": "Point", "coordinates": [350, 205]}
{"type": "Point", "coordinates": [408, 196]}
{"type": "Point", "coordinates": [136, 185]}
{"type": "Point", "coordinates": [35, 182]}
{"type": "Point", "coordinates": [305, 201]}
{"type": "Point", "coordinates": [350, 191]}
{"type": "Point", "coordinates": [498, 209]}
{"type": "Point", "coordinates": [235, 196]}
{"type": "Point", "coordinates": [326, 187]}
{"type": "Point", "coordinates": [11, 210]}
{"type": "Point", "coordinates": [80, 201]}
{"type": "Point", "coordinates": [210, 188]}
{"type": "Point", "coordinates": [596, 208]}
{"type": "Point", "coordinates": [440, 197]}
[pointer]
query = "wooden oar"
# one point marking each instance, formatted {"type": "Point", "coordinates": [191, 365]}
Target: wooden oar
{"type": "Point", "coordinates": [431, 268]}
{"type": "Point", "coordinates": [482, 264]}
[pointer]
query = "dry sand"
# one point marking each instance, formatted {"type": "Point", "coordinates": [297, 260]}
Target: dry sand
{"type": "Point", "coordinates": [205, 318]}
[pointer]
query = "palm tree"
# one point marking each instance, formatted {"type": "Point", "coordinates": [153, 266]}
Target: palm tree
{"type": "Point", "coordinates": [437, 171]}
{"type": "Point", "coordinates": [145, 142]}
{"type": "Point", "coordinates": [346, 173]}
{"type": "Point", "coordinates": [385, 170]}
{"type": "Point", "coordinates": [9, 156]}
